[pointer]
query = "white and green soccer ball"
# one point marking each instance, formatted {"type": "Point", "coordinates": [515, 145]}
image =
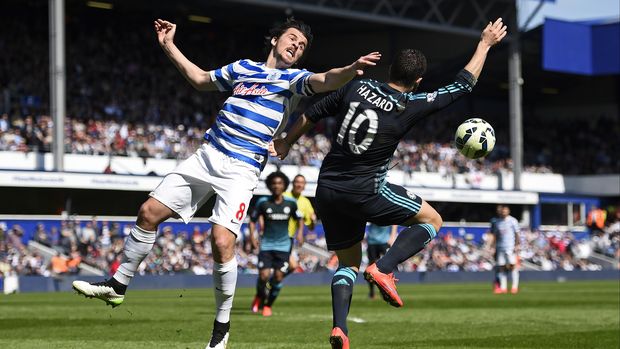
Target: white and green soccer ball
{"type": "Point", "coordinates": [474, 138]}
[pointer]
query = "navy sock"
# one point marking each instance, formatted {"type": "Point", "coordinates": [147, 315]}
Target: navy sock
{"type": "Point", "coordinates": [261, 290]}
{"type": "Point", "coordinates": [273, 292]}
{"type": "Point", "coordinates": [342, 289]}
{"type": "Point", "coordinates": [409, 242]}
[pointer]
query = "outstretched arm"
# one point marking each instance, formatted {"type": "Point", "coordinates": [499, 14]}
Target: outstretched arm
{"type": "Point", "coordinates": [325, 107]}
{"type": "Point", "coordinates": [198, 78]}
{"type": "Point", "coordinates": [335, 78]}
{"type": "Point", "coordinates": [491, 35]}
{"type": "Point", "coordinates": [281, 146]}
{"type": "Point", "coordinates": [426, 103]}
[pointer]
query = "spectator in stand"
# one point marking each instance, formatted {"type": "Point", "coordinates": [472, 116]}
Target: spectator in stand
{"type": "Point", "coordinates": [596, 220]}
{"type": "Point", "coordinates": [41, 236]}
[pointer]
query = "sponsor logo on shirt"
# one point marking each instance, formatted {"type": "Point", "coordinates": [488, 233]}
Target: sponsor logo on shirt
{"type": "Point", "coordinates": [254, 90]}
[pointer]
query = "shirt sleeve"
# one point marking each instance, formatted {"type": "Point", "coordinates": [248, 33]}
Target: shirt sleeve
{"type": "Point", "coordinates": [422, 104]}
{"type": "Point", "coordinates": [299, 82]}
{"type": "Point", "coordinates": [328, 106]}
{"type": "Point", "coordinates": [224, 77]}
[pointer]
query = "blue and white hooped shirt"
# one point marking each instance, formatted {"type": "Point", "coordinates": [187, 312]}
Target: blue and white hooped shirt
{"type": "Point", "coordinates": [258, 109]}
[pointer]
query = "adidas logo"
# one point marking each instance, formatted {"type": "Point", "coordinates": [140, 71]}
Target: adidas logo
{"type": "Point", "coordinates": [341, 282]}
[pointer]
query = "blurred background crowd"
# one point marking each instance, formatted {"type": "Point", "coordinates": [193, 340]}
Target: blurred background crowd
{"type": "Point", "coordinates": [137, 104]}
{"type": "Point", "coordinates": [99, 244]}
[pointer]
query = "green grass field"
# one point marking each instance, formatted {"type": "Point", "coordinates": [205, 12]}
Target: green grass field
{"type": "Point", "coordinates": [543, 315]}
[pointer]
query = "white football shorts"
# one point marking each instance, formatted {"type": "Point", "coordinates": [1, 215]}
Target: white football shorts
{"type": "Point", "coordinates": [206, 173]}
{"type": "Point", "coordinates": [506, 257]}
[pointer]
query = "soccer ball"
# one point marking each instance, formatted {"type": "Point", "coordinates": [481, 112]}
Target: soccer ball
{"type": "Point", "coordinates": [474, 138]}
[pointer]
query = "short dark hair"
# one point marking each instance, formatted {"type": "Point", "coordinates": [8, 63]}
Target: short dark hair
{"type": "Point", "coordinates": [279, 29]}
{"type": "Point", "coordinates": [408, 66]}
{"type": "Point", "coordinates": [274, 175]}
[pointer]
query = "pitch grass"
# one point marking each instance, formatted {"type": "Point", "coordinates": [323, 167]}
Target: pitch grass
{"type": "Point", "coordinates": [543, 315]}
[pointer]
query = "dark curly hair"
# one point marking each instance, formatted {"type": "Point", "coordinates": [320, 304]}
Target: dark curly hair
{"type": "Point", "coordinates": [279, 29]}
{"type": "Point", "coordinates": [274, 175]}
{"type": "Point", "coordinates": [408, 66]}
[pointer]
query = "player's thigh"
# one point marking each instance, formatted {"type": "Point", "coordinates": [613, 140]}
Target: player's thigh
{"type": "Point", "coordinates": [265, 260]}
{"type": "Point", "coordinates": [234, 182]}
{"type": "Point", "coordinates": [280, 261]}
{"type": "Point", "coordinates": [185, 189]}
{"type": "Point", "coordinates": [511, 260]}
{"type": "Point", "coordinates": [501, 259]}
{"type": "Point", "coordinates": [393, 204]}
{"type": "Point", "coordinates": [231, 207]}
{"type": "Point", "coordinates": [350, 256]}
{"type": "Point", "coordinates": [339, 213]}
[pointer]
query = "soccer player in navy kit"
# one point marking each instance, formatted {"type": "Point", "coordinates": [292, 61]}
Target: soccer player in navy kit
{"type": "Point", "coordinates": [275, 243]}
{"type": "Point", "coordinates": [372, 117]}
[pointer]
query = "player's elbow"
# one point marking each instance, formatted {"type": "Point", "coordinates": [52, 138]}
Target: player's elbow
{"type": "Point", "coordinates": [201, 81]}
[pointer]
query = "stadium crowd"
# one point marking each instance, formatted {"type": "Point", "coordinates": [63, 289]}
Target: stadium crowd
{"type": "Point", "coordinates": [128, 102]}
{"type": "Point", "coordinates": [99, 244]}
{"type": "Point", "coordinates": [177, 141]}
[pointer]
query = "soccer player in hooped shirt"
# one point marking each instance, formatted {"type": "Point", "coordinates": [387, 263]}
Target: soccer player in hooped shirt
{"type": "Point", "coordinates": [229, 162]}
{"type": "Point", "coordinates": [506, 230]}
{"type": "Point", "coordinates": [372, 117]}
{"type": "Point", "coordinates": [275, 243]}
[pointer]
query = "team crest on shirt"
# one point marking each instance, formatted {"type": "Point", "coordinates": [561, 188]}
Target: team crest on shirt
{"type": "Point", "coordinates": [273, 76]}
{"type": "Point", "coordinates": [287, 210]}
{"type": "Point", "coordinates": [431, 96]}
{"type": "Point", "coordinates": [411, 195]}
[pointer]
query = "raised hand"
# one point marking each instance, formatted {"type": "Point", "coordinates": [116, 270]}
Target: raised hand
{"type": "Point", "coordinates": [494, 32]}
{"type": "Point", "coordinates": [370, 59]}
{"type": "Point", "coordinates": [165, 31]}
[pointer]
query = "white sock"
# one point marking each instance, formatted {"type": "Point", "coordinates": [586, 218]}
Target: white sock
{"type": "Point", "coordinates": [137, 246]}
{"type": "Point", "coordinates": [515, 278]}
{"type": "Point", "coordinates": [224, 284]}
{"type": "Point", "coordinates": [503, 280]}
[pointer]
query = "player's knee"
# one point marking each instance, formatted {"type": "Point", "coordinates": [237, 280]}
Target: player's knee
{"type": "Point", "coordinates": [436, 221]}
{"type": "Point", "coordinates": [147, 216]}
{"type": "Point", "coordinates": [223, 244]}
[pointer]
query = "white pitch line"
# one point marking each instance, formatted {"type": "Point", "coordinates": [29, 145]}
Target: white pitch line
{"type": "Point", "coordinates": [357, 320]}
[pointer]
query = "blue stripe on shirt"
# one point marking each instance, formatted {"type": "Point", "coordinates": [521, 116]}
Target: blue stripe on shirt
{"type": "Point", "coordinates": [220, 78]}
{"type": "Point", "coordinates": [238, 141]}
{"type": "Point", "coordinates": [231, 70]}
{"type": "Point", "coordinates": [250, 115]}
{"type": "Point", "coordinates": [263, 102]}
{"type": "Point", "coordinates": [240, 128]}
{"type": "Point", "coordinates": [230, 153]}
{"type": "Point", "coordinates": [248, 66]}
